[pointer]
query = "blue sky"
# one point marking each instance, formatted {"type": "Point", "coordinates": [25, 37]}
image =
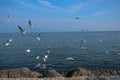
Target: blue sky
{"type": "Point", "coordinates": [59, 15]}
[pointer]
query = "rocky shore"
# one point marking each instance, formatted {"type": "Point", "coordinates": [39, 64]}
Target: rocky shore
{"type": "Point", "coordinates": [79, 72]}
{"type": "Point", "coordinates": [19, 73]}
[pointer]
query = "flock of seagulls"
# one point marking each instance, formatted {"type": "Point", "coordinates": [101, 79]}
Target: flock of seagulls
{"type": "Point", "coordinates": [44, 58]}
{"type": "Point", "coordinates": [7, 43]}
{"type": "Point", "coordinates": [28, 50]}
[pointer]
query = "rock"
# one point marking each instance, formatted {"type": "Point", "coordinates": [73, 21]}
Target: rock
{"type": "Point", "coordinates": [52, 73]}
{"type": "Point", "coordinates": [19, 73]}
{"type": "Point", "coordinates": [77, 72]}
{"type": "Point", "coordinates": [85, 72]}
{"type": "Point", "coordinates": [118, 72]}
{"type": "Point", "coordinates": [3, 74]}
{"type": "Point", "coordinates": [105, 72]}
{"type": "Point", "coordinates": [27, 73]}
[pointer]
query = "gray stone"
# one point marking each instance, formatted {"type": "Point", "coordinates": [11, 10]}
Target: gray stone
{"type": "Point", "coordinates": [52, 73]}
{"type": "Point", "coordinates": [19, 73]}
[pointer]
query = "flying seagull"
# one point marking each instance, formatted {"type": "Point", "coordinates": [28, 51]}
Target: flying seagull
{"type": "Point", "coordinates": [7, 43]}
{"type": "Point", "coordinates": [77, 17]}
{"type": "Point", "coordinates": [10, 40]}
{"type": "Point", "coordinates": [8, 18]}
{"type": "Point", "coordinates": [22, 31]}
{"type": "Point", "coordinates": [38, 38]}
{"type": "Point", "coordinates": [30, 23]}
{"type": "Point", "coordinates": [8, 15]}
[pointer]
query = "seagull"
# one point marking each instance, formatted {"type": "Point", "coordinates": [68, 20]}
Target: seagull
{"type": "Point", "coordinates": [8, 18]}
{"type": "Point", "coordinates": [22, 31]}
{"type": "Point", "coordinates": [5, 44]}
{"type": "Point", "coordinates": [107, 52]}
{"type": "Point", "coordinates": [30, 24]}
{"type": "Point", "coordinates": [44, 59]}
{"type": "Point", "coordinates": [77, 17]}
{"type": "Point", "coordinates": [10, 40]}
{"type": "Point", "coordinates": [118, 53]}
{"type": "Point", "coordinates": [38, 38]}
{"type": "Point", "coordinates": [87, 29]}
{"type": "Point", "coordinates": [100, 40]}
{"type": "Point", "coordinates": [43, 66]}
{"type": "Point", "coordinates": [48, 46]}
{"type": "Point", "coordinates": [8, 15]}
{"type": "Point", "coordinates": [84, 41]}
{"type": "Point", "coordinates": [48, 51]}
{"type": "Point", "coordinates": [38, 57]}
{"type": "Point", "coordinates": [38, 65]}
{"type": "Point", "coordinates": [70, 58]}
{"type": "Point", "coordinates": [46, 56]}
{"type": "Point", "coordinates": [84, 47]}
{"type": "Point", "coordinates": [28, 50]}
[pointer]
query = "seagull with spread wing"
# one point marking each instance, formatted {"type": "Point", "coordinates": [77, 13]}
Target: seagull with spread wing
{"type": "Point", "coordinates": [22, 31]}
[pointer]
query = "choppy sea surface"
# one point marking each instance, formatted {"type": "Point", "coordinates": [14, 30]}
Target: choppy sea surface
{"type": "Point", "coordinates": [92, 50]}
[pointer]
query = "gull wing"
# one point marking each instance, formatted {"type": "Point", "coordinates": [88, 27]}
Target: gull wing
{"type": "Point", "coordinates": [20, 28]}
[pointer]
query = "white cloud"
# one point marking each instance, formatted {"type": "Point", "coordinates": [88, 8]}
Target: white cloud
{"type": "Point", "coordinates": [24, 3]}
{"type": "Point", "coordinates": [70, 9]}
{"type": "Point", "coordinates": [48, 4]}
{"type": "Point", "coordinates": [29, 5]}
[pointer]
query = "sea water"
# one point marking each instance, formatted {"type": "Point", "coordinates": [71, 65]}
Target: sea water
{"type": "Point", "coordinates": [92, 50]}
